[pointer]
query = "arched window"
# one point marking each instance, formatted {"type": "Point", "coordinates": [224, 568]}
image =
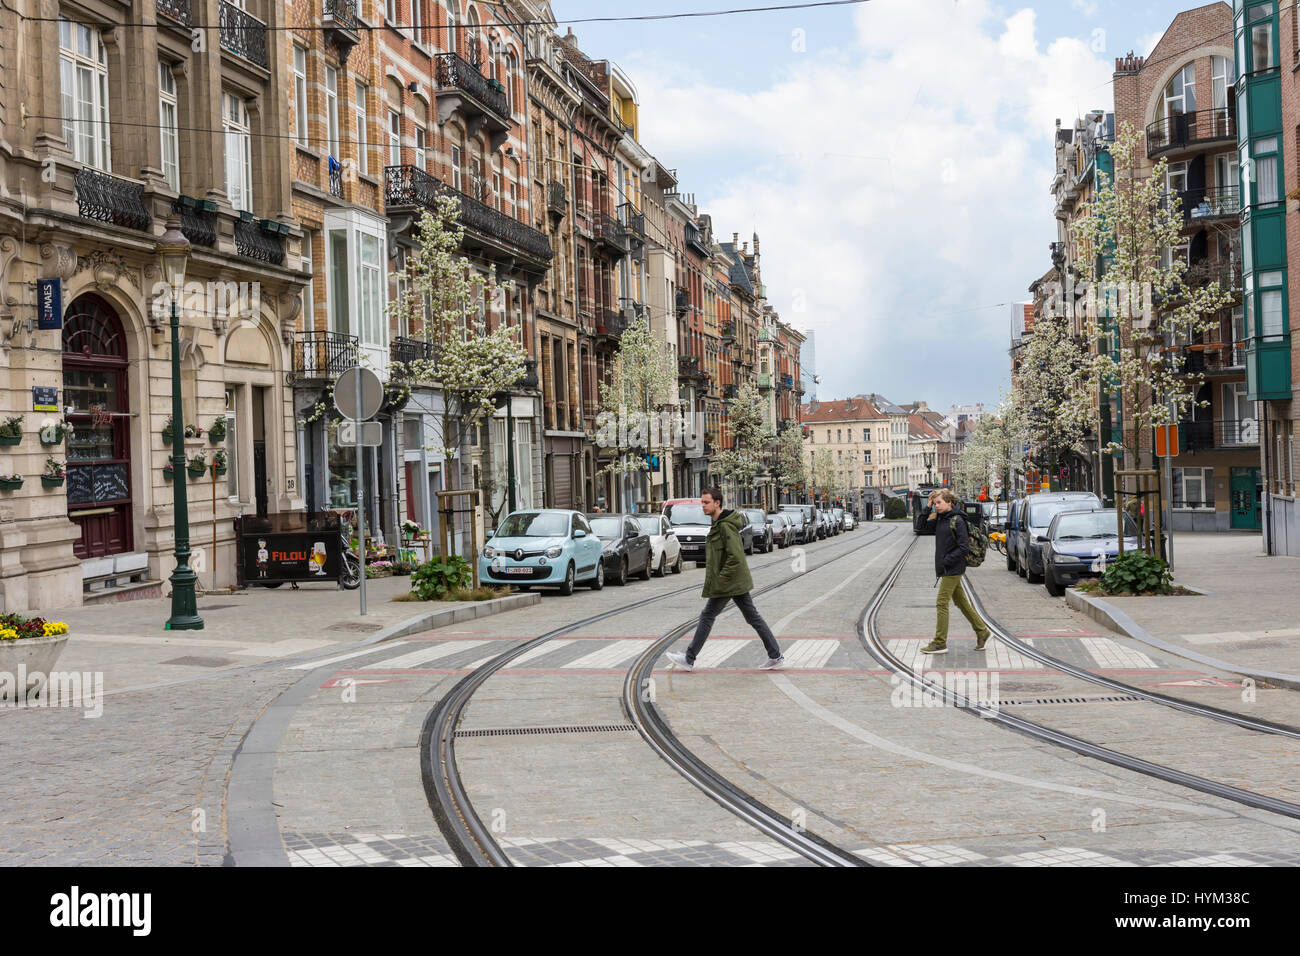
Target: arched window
{"type": "Point", "coordinates": [473, 51]}
{"type": "Point", "coordinates": [1180, 92]}
{"type": "Point", "coordinates": [512, 69]}
{"type": "Point", "coordinates": [452, 40]}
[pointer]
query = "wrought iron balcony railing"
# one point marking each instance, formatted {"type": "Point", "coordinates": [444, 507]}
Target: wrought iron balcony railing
{"type": "Point", "coordinates": [243, 33]}
{"type": "Point", "coordinates": [458, 75]}
{"type": "Point", "coordinates": [764, 381]}
{"type": "Point", "coordinates": [767, 335]}
{"type": "Point", "coordinates": [1225, 357]}
{"type": "Point", "coordinates": [199, 226]}
{"type": "Point", "coordinates": [1203, 272]}
{"type": "Point", "coordinates": [688, 366]}
{"type": "Point", "coordinates": [341, 15]}
{"type": "Point", "coordinates": [322, 356]}
{"type": "Point", "coordinates": [557, 200]}
{"type": "Point", "coordinates": [1190, 129]}
{"type": "Point", "coordinates": [411, 186]}
{"type": "Point", "coordinates": [1200, 204]}
{"type": "Point", "coordinates": [610, 322]}
{"type": "Point", "coordinates": [633, 221]}
{"type": "Point", "coordinates": [253, 243]}
{"type": "Point", "coordinates": [695, 239]}
{"type": "Point", "coordinates": [336, 178]}
{"type": "Point", "coordinates": [178, 10]}
{"type": "Point", "coordinates": [109, 199]}
{"type": "Point", "coordinates": [407, 350]}
{"type": "Point", "coordinates": [683, 303]}
{"type": "Point", "coordinates": [609, 232]}
{"type": "Point", "coordinates": [1219, 433]}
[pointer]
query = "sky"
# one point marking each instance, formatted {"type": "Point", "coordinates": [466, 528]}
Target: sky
{"type": "Point", "coordinates": [894, 157]}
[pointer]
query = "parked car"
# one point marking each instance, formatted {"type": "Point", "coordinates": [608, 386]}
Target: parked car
{"type": "Point", "coordinates": [1013, 518]}
{"type": "Point", "coordinates": [783, 528]}
{"type": "Point", "coordinates": [665, 549]}
{"type": "Point", "coordinates": [543, 547]}
{"type": "Point", "coordinates": [692, 526]}
{"type": "Point", "coordinates": [1079, 544]}
{"type": "Point", "coordinates": [1036, 513]}
{"type": "Point", "coordinates": [822, 531]}
{"type": "Point", "coordinates": [760, 533]}
{"type": "Point", "coordinates": [625, 547]}
{"type": "Point", "coordinates": [995, 514]}
{"type": "Point", "coordinates": [806, 516]}
{"type": "Point", "coordinates": [850, 521]}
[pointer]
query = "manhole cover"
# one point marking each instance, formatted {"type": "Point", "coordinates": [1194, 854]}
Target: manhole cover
{"type": "Point", "coordinates": [215, 607]}
{"type": "Point", "coordinates": [201, 661]}
{"type": "Point", "coordinates": [355, 626]}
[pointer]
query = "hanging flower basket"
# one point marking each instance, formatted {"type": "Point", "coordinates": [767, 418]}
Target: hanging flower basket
{"type": "Point", "coordinates": [11, 431]}
{"type": "Point", "coordinates": [169, 471]}
{"type": "Point", "coordinates": [219, 462]}
{"type": "Point", "coordinates": [54, 473]}
{"type": "Point", "coordinates": [11, 482]}
{"type": "Point", "coordinates": [217, 433]}
{"type": "Point", "coordinates": [193, 431]}
{"type": "Point", "coordinates": [50, 481]}
{"type": "Point", "coordinates": [54, 432]}
{"type": "Point", "coordinates": [197, 467]}
{"type": "Point", "coordinates": [167, 431]}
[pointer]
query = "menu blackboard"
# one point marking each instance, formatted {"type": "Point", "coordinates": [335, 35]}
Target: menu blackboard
{"type": "Point", "coordinates": [94, 484]}
{"type": "Point", "coordinates": [80, 486]}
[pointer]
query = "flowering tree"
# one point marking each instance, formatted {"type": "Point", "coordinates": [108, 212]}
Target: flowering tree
{"type": "Point", "coordinates": [1052, 362]}
{"type": "Point", "coordinates": [444, 298]}
{"type": "Point", "coordinates": [788, 461]}
{"type": "Point", "coordinates": [1130, 238]}
{"type": "Point", "coordinates": [642, 385]}
{"type": "Point", "coordinates": [996, 447]}
{"type": "Point", "coordinates": [740, 463]}
{"type": "Point", "coordinates": [823, 473]}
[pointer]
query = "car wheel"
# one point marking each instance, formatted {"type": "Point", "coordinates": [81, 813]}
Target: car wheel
{"type": "Point", "coordinates": [598, 582]}
{"type": "Point", "coordinates": [663, 566]}
{"type": "Point", "coordinates": [750, 549]}
{"type": "Point", "coordinates": [567, 587]}
{"type": "Point", "coordinates": [646, 571]}
{"type": "Point", "coordinates": [1033, 578]}
{"type": "Point", "coordinates": [699, 564]}
{"type": "Point", "coordinates": [1054, 589]}
{"type": "Point", "coordinates": [1011, 561]}
{"type": "Point", "coordinates": [1020, 568]}
{"type": "Point", "coordinates": [622, 573]}
{"type": "Point", "coordinates": [677, 568]}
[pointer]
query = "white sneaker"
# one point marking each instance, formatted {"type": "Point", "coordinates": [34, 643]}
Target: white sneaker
{"type": "Point", "coordinates": [772, 663]}
{"type": "Point", "coordinates": [679, 661]}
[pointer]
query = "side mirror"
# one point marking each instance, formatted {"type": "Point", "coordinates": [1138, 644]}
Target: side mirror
{"type": "Point", "coordinates": [1041, 539]}
{"type": "Point", "coordinates": [670, 533]}
{"type": "Point", "coordinates": [579, 534]}
{"type": "Point", "coordinates": [491, 534]}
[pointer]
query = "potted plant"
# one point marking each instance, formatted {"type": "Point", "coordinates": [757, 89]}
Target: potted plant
{"type": "Point", "coordinates": [410, 529]}
{"type": "Point", "coordinates": [167, 431]}
{"type": "Point", "coordinates": [54, 473]}
{"type": "Point", "coordinates": [11, 431]}
{"type": "Point", "coordinates": [54, 431]}
{"type": "Point", "coordinates": [32, 644]}
{"type": "Point", "coordinates": [217, 433]}
{"type": "Point", "coordinates": [193, 431]}
{"type": "Point", "coordinates": [219, 461]}
{"type": "Point", "coordinates": [169, 471]}
{"type": "Point", "coordinates": [198, 465]}
{"type": "Point", "coordinates": [11, 482]}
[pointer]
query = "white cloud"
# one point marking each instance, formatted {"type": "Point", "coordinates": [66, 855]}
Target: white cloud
{"type": "Point", "coordinates": [1147, 44]}
{"type": "Point", "coordinates": [1087, 7]}
{"type": "Point", "coordinates": [898, 176]}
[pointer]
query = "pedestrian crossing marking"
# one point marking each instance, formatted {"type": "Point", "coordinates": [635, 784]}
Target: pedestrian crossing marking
{"type": "Point", "coordinates": [611, 655]}
{"type": "Point", "coordinates": [908, 652]}
{"type": "Point", "coordinates": [1001, 657]}
{"type": "Point", "coordinates": [810, 654]}
{"type": "Point", "coordinates": [715, 652]}
{"type": "Point", "coordinates": [422, 656]}
{"type": "Point", "coordinates": [313, 664]}
{"type": "Point", "coordinates": [1113, 656]}
{"type": "Point", "coordinates": [538, 651]}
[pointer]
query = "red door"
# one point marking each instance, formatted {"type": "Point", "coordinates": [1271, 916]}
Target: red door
{"type": "Point", "coordinates": [99, 453]}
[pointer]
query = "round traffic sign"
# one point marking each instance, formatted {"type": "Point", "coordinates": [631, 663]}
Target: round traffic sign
{"type": "Point", "coordinates": [345, 394]}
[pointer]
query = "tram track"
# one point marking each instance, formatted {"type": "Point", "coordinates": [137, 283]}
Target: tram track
{"type": "Point", "coordinates": [470, 839]}
{"type": "Point", "coordinates": [874, 644]}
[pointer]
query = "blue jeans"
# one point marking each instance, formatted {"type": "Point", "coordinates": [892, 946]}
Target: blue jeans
{"type": "Point", "coordinates": [713, 607]}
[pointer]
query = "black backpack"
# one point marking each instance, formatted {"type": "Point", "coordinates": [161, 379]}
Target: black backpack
{"type": "Point", "coordinates": [977, 542]}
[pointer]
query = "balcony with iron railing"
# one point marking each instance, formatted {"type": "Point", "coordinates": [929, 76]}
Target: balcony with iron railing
{"type": "Point", "coordinates": [107, 198]}
{"type": "Point", "coordinates": [1218, 434]}
{"type": "Point", "coordinates": [766, 335]}
{"type": "Point", "coordinates": [405, 350]}
{"type": "Point", "coordinates": [243, 34]}
{"type": "Point", "coordinates": [198, 220]}
{"type": "Point", "coordinates": [341, 24]}
{"type": "Point", "coordinates": [336, 178]}
{"type": "Point", "coordinates": [689, 367]}
{"type": "Point", "coordinates": [557, 200]}
{"type": "Point", "coordinates": [1217, 358]}
{"type": "Point", "coordinates": [322, 356]}
{"type": "Point", "coordinates": [764, 381]}
{"type": "Point", "coordinates": [610, 323]}
{"type": "Point", "coordinates": [1197, 129]}
{"type": "Point", "coordinates": [633, 222]}
{"type": "Point", "coordinates": [695, 239]}
{"type": "Point", "coordinates": [178, 10]}
{"type": "Point", "coordinates": [410, 186]}
{"type": "Point", "coordinates": [253, 242]}
{"type": "Point", "coordinates": [682, 303]}
{"type": "Point", "coordinates": [1216, 202]}
{"type": "Point", "coordinates": [462, 87]}
{"type": "Point", "coordinates": [609, 233]}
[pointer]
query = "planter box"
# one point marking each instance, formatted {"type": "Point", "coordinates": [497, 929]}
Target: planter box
{"type": "Point", "coordinates": [221, 470]}
{"type": "Point", "coordinates": [167, 438]}
{"type": "Point", "coordinates": [169, 475]}
{"type": "Point", "coordinates": [35, 655]}
{"type": "Point", "coordinates": [51, 482]}
{"type": "Point", "coordinates": [10, 485]}
{"type": "Point", "coordinates": [197, 472]}
{"type": "Point", "coordinates": [10, 439]}
{"type": "Point", "coordinates": [216, 439]}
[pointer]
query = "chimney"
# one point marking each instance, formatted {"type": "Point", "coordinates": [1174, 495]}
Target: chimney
{"type": "Point", "coordinates": [735, 238]}
{"type": "Point", "coordinates": [755, 243]}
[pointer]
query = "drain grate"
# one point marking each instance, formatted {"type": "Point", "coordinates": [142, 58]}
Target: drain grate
{"type": "Point", "coordinates": [356, 626]}
{"type": "Point", "coordinates": [1117, 699]}
{"type": "Point", "coordinates": [573, 729]}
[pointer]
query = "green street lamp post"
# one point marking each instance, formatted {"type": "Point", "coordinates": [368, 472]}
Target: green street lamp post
{"type": "Point", "coordinates": [174, 249]}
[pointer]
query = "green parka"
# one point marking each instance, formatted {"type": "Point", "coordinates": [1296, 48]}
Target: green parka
{"type": "Point", "coordinates": [726, 573]}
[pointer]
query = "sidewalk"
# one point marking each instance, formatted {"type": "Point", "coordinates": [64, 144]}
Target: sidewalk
{"type": "Point", "coordinates": [128, 643]}
{"type": "Point", "coordinates": [1248, 622]}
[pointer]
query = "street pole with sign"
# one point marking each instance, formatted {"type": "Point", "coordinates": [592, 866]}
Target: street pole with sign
{"type": "Point", "coordinates": [358, 396]}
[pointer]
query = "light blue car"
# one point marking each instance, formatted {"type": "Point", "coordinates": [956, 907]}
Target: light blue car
{"type": "Point", "coordinates": [544, 547]}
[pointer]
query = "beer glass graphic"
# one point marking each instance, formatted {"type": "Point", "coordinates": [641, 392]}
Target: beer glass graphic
{"type": "Point", "coordinates": [318, 557]}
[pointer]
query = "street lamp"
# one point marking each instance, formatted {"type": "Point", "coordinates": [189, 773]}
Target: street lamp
{"type": "Point", "coordinates": [174, 249]}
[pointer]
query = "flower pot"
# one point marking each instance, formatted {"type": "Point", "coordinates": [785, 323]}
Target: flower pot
{"type": "Point", "coordinates": [197, 472]}
{"type": "Point", "coordinates": [36, 656]}
{"type": "Point", "coordinates": [216, 439]}
{"type": "Point", "coordinates": [169, 474]}
{"type": "Point", "coordinates": [11, 485]}
{"type": "Point", "coordinates": [167, 438]}
{"type": "Point", "coordinates": [10, 439]}
{"type": "Point", "coordinates": [221, 470]}
{"type": "Point", "coordinates": [50, 481]}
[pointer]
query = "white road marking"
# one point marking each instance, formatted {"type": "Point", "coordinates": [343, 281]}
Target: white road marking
{"type": "Point", "coordinates": [999, 656]}
{"type": "Point", "coordinates": [537, 652]}
{"type": "Point", "coordinates": [717, 651]}
{"type": "Point", "coordinates": [867, 737]}
{"type": "Point", "coordinates": [1109, 654]}
{"type": "Point", "coordinates": [907, 651]}
{"type": "Point", "coordinates": [430, 652]}
{"type": "Point", "coordinates": [610, 655]}
{"type": "Point", "coordinates": [285, 648]}
{"type": "Point", "coordinates": [378, 648]}
{"type": "Point", "coordinates": [810, 654]}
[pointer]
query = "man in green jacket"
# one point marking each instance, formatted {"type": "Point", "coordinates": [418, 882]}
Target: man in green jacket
{"type": "Point", "coordinates": [726, 578]}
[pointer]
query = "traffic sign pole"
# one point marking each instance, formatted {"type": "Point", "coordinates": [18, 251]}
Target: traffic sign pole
{"type": "Point", "coordinates": [361, 497]}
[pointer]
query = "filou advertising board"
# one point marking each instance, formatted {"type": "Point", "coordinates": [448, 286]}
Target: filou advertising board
{"type": "Point", "coordinates": [268, 558]}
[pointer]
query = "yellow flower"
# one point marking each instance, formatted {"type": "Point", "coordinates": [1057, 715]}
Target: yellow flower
{"type": "Point", "coordinates": [8, 634]}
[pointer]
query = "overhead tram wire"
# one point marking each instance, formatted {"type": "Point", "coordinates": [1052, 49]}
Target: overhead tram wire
{"type": "Point", "coordinates": [630, 18]}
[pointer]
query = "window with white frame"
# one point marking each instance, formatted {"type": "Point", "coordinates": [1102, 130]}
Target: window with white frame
{"type": "Point", "coordinates": [167, 126]}
{"type": "Point", "coordinates": [421, 150]}
{"type": "Point", "coordinates": [394, 138]}
{"type": "Point", "coordinates": [453, 41]}
{"type": "Point", "coordinates": [417, 20]}
{"type": "Point", "coordinates": [390, 11]}
{"type": "Point", "coordinates": [299, 95]}
{"type": "Point", "coordinates": [308, 290]}
{"type": "Point", "coordinates": [1266, 181]}
{"type": "Point", "coordinates": [231, 444]}
{"type": "Point", "coordinates": [455, 167]}
{"type": "Point", "coordinates": [1180, 92]}
{"type": "Point", "coordinates": [363, 151]}
{"type": "Point", "coordinates": [1193, 487]}
{"type": "Point", "coordinates": [239, 151]}
{"type": "Point", "coordinates": [357, 290]}
{"type": "Point", "coordinates": [332, 109]}
{"type": "Point", "coordinates": [83, 81]}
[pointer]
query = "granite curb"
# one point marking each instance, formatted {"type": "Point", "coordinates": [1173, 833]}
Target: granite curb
{"type": "Point", "coordinates": [1112, 617]}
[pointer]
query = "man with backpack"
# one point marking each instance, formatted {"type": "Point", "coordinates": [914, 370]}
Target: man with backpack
{"type": "Point", "coordinates": [952, 540]}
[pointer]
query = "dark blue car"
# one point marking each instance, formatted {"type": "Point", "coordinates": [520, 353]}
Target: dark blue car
{"type": "Point", "coordinates": [1080, 544]}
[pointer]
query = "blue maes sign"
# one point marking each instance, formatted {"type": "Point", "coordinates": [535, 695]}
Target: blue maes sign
{"type": "Point", "coordinates": [49, 303]}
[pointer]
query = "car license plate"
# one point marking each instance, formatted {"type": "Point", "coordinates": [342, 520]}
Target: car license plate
{"type": "Point", "coordinates": [519, 570]}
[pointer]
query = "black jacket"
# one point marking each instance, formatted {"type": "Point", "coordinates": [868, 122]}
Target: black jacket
{"type": "Point", "coordinates": [950, 539]}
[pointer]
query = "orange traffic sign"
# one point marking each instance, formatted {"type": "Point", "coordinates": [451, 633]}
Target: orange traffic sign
{"type": "Point", "coordinates": [1166, 441]}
